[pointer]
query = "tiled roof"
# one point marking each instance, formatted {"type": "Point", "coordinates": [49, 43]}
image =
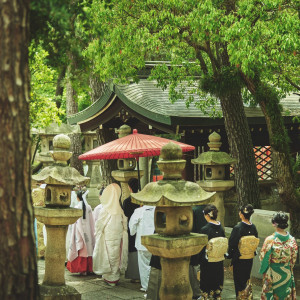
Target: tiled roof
{"type": "Point", "coordinates": [153, 103]}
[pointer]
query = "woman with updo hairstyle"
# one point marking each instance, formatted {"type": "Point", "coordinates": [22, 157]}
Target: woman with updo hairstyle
{"type": "Point", "coordinates": [278, 257]}
{"type": "Point", "coordinates": [212, 256]}
{"type": "Point", "coordinates": [243, 243]}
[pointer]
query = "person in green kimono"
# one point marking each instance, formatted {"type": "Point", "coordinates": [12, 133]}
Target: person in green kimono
{"type": "Point", "coordinates": [278, 256]}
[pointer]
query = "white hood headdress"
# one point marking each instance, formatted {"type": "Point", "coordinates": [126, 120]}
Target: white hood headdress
{"type": "Point", "coordinates": [110, 199]}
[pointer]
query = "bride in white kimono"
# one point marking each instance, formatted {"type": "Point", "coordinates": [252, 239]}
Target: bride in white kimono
{"type": "Point", "coordinates": [110, 254]}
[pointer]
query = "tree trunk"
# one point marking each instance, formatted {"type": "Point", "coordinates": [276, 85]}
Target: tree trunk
{"type": "Point", "coordinates": [283, 173]}
{"type": "Point", "coordinates": [59, 87]}
{"type": "Point", "coordinates": [238, 133]}
{"type": "Point", "coordinates": [269, 102]}
{"type": "Point", "coordinates": [18, 265]}
{"type": "Point", "coordinates": [104, 136]}
{"type": "Point", "coordinates": [97, 88]}
{"type": "Point", "coordinates": [76, 147]}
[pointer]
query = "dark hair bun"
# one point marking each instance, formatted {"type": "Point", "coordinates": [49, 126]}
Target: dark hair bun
{"type": "Point", "coordinates": [247, 210]}
{"type": "Point", "coordinates": [280, 219]}
{"type": "Point", "coordinates": [211, 210]}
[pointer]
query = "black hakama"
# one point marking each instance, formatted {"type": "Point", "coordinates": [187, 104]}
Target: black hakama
{"type": "Point", "coordinates": [241, 267]}
{"type": "Point", "coordinates": [211, 273]}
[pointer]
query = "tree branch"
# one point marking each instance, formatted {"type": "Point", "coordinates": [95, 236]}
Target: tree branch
{"type": "Point", "coordinates": [202, 62]}
{"type": "Point", "coordinates": [214, 62]}
{"type": "Point", "coordinates": [292, 83]}
{"type": "Point", "coordinates": [198, 49]}
{"type": "Point", "coordinates": [249, 83]}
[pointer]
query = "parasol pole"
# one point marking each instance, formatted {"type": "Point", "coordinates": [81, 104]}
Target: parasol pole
{"type": "Point", "coordinates": [138, 169]}
{"type": "Point", "coordinates": [137, 155]}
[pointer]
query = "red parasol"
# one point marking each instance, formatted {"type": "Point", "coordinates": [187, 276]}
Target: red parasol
{"type": "Point", "coordinates": [134, 145]}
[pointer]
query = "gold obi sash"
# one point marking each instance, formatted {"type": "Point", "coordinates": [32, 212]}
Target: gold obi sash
{"type": "Point", "coordinates": [216, 249]}
{"type": "Point", "coordinates": [247, 246]}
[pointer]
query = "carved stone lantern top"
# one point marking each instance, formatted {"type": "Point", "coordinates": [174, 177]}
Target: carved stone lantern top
{"type": "Point", "coordinates": [214, 156]}
{"type": "Point", "coordinates": [59, 177]}
{"type": "Point", "coordinates": [124, 130]}
{"type": "Point", "coordinates": [172, 190]}
{"type": "Point", "coordinates": [59, 173]}
{"type": "Point", "coordinates": [215, 175]}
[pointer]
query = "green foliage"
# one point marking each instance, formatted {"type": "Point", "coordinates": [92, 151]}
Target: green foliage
{"type": "Point", "coordinates": [61, 29]}
{"type": "Point", "coordinates": [49, 25]}
{"type": "Point", "coordinates": [83, 101]}
{"type": "Point", "coordinates": [43, 109]}
{"type": "Point", "coordinates": [208, 44]}
{"type": "Point", "coordinates": [264, 37]}
{"type": "Point", "coordinates": [212, 39]}
{"type": "Point", "coordinates": [223, 83]}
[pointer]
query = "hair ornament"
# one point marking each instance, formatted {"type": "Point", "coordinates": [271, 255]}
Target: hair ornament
{"type": "Point", "coordinates": [245, 211]}
{"type": "Point", "coordinates": [211, 214]}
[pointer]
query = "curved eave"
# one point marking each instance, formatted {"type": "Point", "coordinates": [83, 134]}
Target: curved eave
{"type": "Point", "coordinates": [95, 109]}
{"type": "Point", "coordinates": [156, 117]}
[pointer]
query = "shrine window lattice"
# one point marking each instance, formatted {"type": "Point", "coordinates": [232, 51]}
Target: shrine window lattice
{"type": "Point", "coordinates": [263, 158]}
{"type": "Point", "coordinates": [264, 165]}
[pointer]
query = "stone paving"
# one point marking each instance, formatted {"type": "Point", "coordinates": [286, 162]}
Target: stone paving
{"type": "Point", "coordinates": [92, 287]}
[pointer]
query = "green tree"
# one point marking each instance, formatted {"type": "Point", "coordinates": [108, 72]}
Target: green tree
{"type": "Point", "coordinates": [189, 35]}
{"type": "Point", "coordinates": [232, 46]}
{"type": "Point", "coordinates": [57, 28]}
{"type": "Point", "coordinates": [263, 40]}
{"type": "Point", "coordinates": [43, 107]}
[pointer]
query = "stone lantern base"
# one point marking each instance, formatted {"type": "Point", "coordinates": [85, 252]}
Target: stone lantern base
{"type": "Point", "coordinates": [64, 292]}
{"type": "Point", "coordinates": [175, 255]}
{"type": "Point", "coordinates": [56, 222]}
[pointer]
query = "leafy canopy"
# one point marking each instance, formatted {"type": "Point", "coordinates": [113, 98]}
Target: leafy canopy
{"type": "Point", "coordinates": [43, 109]}
{"type": "Point", "coordinates": [226, 41]}
{"type": "Point", "coordinates": [58, 35]}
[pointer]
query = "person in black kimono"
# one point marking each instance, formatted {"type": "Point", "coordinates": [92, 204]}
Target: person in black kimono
{"type": "Point", "coordinates": [242, 267]}
{"type": "Point", "coordinates": [132, 271]}
{"type": "Point", "coordinates": [211, 273]}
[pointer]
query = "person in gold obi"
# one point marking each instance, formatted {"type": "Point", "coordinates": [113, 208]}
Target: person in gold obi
{"type": "Point", "coordinates": [38, 195]}
{"type": "Point", "coordinates": [243, 242]}
{"type": "Point", "coordinates": [278, 256]}
{"type": "Point", "coordinates": [212, 256]}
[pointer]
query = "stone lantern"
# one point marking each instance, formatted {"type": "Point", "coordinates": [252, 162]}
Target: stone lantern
{"type": "Point", "coordinates": [126, 167]}
{"type": "Point", "coordinates": [93, 172]}
{"type": "Point", "coordinates": [57, 215]}
{"type": "Point", "coordinates": [173, 241]}
{"type": "Point", "coordinates": [46, 136]}
{"type": "Point", "coordinates": [215, 176]}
